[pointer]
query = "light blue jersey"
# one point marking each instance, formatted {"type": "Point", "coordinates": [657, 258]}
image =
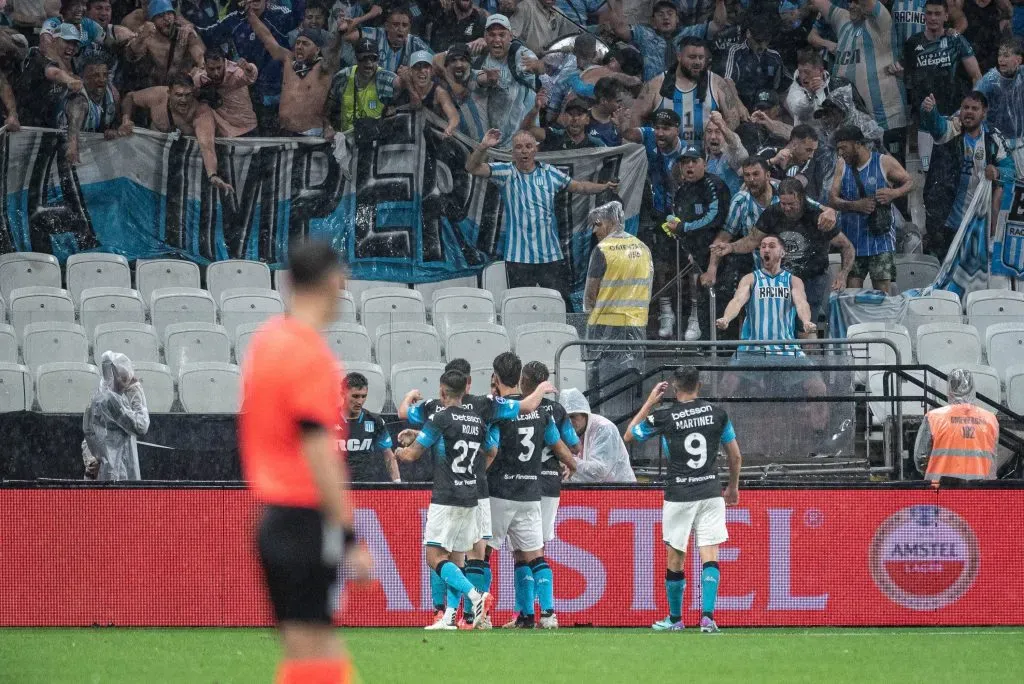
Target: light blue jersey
{"type": "Point", "coordinates": [907, 21]}
{"type": "Point", "coordinates": [531, 228]}
{"type": "Point", "coordinates": [855, 224]}
{"type": "Point", "coordinates": [771, 314]}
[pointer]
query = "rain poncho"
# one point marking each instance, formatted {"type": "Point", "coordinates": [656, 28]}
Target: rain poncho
{"type": "Point", "coordinates": [604, 457]}
{"type": "Point", "coordinates": [959, 390]}
{"type": "Point", "coordinates": [116, 415]}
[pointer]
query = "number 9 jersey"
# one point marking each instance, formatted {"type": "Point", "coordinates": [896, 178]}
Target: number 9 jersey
{"type": "Point", "coordinates": [458, 441]}
{"type": "Point", "coordinates": [691, 433]}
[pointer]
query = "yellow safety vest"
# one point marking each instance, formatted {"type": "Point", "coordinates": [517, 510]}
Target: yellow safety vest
{"type": "Point", "coordinates": [364, 105]}
{"type": "Point", "coordinates": [624, 295]}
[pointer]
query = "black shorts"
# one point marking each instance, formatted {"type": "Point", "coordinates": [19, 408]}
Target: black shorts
{"type": "Point", "coordinates": [300, 569]}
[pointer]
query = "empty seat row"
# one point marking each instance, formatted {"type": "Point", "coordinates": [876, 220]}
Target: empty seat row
{"type": "Point", "coordinates": [67, 387]}
{"type": "Point", "coordinates": [1006, 388]}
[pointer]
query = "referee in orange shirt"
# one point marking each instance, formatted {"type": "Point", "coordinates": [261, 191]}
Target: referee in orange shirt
{"type": "Point", "coordinates": [288, 441]}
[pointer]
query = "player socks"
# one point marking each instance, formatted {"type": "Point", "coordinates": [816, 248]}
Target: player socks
{"type": "Point", "coordinates": [523, 574]}
{"type": "Point", "coordinates": [437, 590]}
{"type": "Point", "coordinates": [675, 584]}
{"type": "Point", "coordinates": [453, 577]}
{"type": "Point", "coordinates": [314, 671]}
{"type": "Point", "coordinates": [709, 587]}
{"type": "Point", "coordinates": [475, 573]}
{"type": "Point", "coordinates": [543, 584]}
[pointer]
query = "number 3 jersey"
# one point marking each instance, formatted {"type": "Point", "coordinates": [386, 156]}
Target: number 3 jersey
{"type": "Point", "coordinates": [516, 472]}
{"type": "Point", "coordinates": [691, 433]}
{"type": "Point", "coordinates": [457, 439]}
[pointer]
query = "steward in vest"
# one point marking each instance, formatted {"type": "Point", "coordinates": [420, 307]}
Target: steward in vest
{"type": "Point", "coordinates": [959, 440]}
{"type": "Point", "coordinates": [362, 91]}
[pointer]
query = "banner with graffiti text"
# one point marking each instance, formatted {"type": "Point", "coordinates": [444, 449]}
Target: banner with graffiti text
{"type": "Point", "coordinates": [402, 208]}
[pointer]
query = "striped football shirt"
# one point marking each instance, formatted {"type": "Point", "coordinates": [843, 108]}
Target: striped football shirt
{"type": "Point", "coordinates": [528, 199]}
{"type": "Point", "coordinates": [771, 314]}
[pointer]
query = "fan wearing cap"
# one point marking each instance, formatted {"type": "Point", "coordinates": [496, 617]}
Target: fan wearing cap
{"type": "Point", "coordinates": [456, 76]}
{"type": "Point", "coordinates": [572, 135]}
{"type": "Point", "coordinates": [538, 24]}
{"type": "Point", "coordinates": [764, 134]}
{"type": "Point", "coordinates": [622, 63]}
{"type": "Point", "coordinates": [306, 78]}
{"type": "Point", "coordinates": [752, 65]}
{"type": "Point", "coordinates": [71, 12]}
{"type": "Point", "coordinates": [60, 73]}
{"type": "Point", "coordinates": [362, 91]}
{"type": "Point", "coordinates": [163, 32]}
{"type": "Point", "coordinates": [395, 43]}
{"type": "Point", "coordinates": [423, 92]}
{"type": "Point", "coordinates": [812, 85]}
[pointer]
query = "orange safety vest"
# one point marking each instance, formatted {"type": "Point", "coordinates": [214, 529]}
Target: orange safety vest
{"type": "Point", "coordinates": [963, 442]}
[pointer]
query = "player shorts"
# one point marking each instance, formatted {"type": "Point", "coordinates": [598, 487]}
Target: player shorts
{"type": "Point", "coordinates": [520, 521]}
{"type": "Point", "coordinates": [548, 512]}
{"type": "Point", "coordinates": [483, 519]}
{"type": "Point", "coordinates": [705, 517]}
{"type": "Point", "coordinates": [453, 528]}
{"type": "Point", "coordinates": [300, 554]}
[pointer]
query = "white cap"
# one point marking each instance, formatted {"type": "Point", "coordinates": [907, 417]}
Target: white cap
{"type": "Point", "coordinates": [499, 19]}
{"type": "Point", "coordinates": [420, 57]}
{"type": "Point", "coordinates": [69, 32]}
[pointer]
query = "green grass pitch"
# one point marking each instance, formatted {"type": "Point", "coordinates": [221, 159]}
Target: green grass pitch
{"type": "Point", "coordinates": [597, 656]}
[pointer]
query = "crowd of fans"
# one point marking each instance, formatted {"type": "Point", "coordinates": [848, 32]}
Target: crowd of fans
{"type": "Point", "coordinates": [728, 97]}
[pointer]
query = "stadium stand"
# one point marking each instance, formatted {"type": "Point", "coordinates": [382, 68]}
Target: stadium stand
{"type": "Point", "coordinates": [96, 269]}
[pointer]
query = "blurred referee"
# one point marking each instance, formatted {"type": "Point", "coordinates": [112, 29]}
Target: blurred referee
{"type": "Point", "coordinates": [288, 443]}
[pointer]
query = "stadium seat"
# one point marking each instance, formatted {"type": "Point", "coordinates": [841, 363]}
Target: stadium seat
{"type": "Point", "coordinates": [39, 305]}
{"type": "Point", "coordinates": [158, 385]}
{"type": "Point", "coordinates": [3, 310]}
{"type": "Point", "coordinates": [349, 342]}
{"type": "Point", "coordinates": [879, 354]}
{"type": "Point", "coordinates": [180, 305]}
{"type": "Point", "coordinates": [235, 273]}
{"type": "Point", "coordinates": [410, 375]}
{"type": "Point", "coordinates": [8, 344]}
{"type": "Point", "coordinates": [911, 392]}
{"type": "Point", "coordinates": [406, 342]}
{"type": "Point", "coordinates": [16, 388]}
{"type": "Point", "coordinates": [986, 382]}
{"type": "Point", "coordinates": [478, 343]}
{"type": "Point", "coordinates": [521, 305]}
{"type": "Point", "coordinates": [66, 387]}
{"type": "Point", "coordinates": [96, 269]}
{"type": "Point", "coordinates": [209, 387]}
{"type": "Point", "coordinates": [27, 269]}
{"type": "Point", "coordinates": [915, 271]}
{"type": "Point", "coordinates": [495, 280]}
{"type": "Point", "coordinates": [570, 374]}
{"type": "Point", "coordinates": [186, 343]}
{"type": "Point", "coordinates": [987, 307]}
{"type": "Point", "coordinates": [157, 274]}
{"type": "Point", "coordinates": [347, 308]}
{"type": "Point", "coordinates": [941, 306]}
{"type": "Point", "coordinates": [940, 344]}
{"type": "Point", "coordinates": [377, 392]}
{"type": "Point", "coordinates": [137, 341]}
{"type": "Point", "coordinates": [240, 305]}
{"type": "Point", "coordinates": [461, 305]}
{"type": "Point", "coordinates": [429, 289]}
{"type": "Point", "coordinates": [1004, 345]}
{"type": "Point", "coordinates": [358, 287]}
{"type": "Point", "coordinates": [110, 305]}
{"type": "Point", "coordinates": [540, 341]}
{"type": "Point", "coordinates": [243, 334]}
{"type": "Point", "coordinates": [52, 341]}
{"type": "Point", "coordinates": [384, 305]}
{"type": "Point", "coordinates": [1014, 377]}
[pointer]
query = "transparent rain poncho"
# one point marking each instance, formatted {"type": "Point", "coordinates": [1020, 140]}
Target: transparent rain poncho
{"type": "Point", "coordinates": [116, 415]}
{"type": "Point", "coordinates": [604, 457]}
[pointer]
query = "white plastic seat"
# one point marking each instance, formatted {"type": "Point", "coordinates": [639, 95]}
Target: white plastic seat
{"type": "Point", "coordinates": [242, 337]}
{"type": "Point", "coordinates": [48, 342]}
{"type": "Point", "coordinates": [3, 310]}
{"type": "Point", "coordinates": [377, 392]}
{"type": "Point", "coordinates": [210, 387]}
{"type": "Point", "coordinates": [571, 374]}
{"type": "Point", "coordinates": [349, 342]}
{"type": "Point", "coordinates": [461, 305]}
{"type": "Point", "coordinates": [428, 290]}
{"type": "Point", "coordinates": [410, 375]}
{"type": "Point", "coordinates": [358, 287]}
{"type": "Point", "coordinates": [406, 342]}
{"type": "Point", "coordinates": [941, 344]}
{"type": "Point", "coordinates": [137, 341]}
{"type": "Point", "coordinates": [8, 344]}
{"type": "Point", "coordinates": [248, 305]}
{"type": "Point", "coordinates": [96, 269]}
{"type": "Point", "coordinates": [40, 305]}
{"type": "Point", "coordinates": [1004, 345]}
{"type": "Point", "coordinates": [100, 305]}
{"type": "Point", "coordinates": [65, 387]}
{"type": "Point", "coordinates": [1014, 377]}
{"type": "Point", "coordinates": [478, 343]}
{"type": "Point", "coordinates": [915, 271]}
{"type": "Point", "coordinates": [879, 354]}
{"type": "Point", "coordinates": [540, 342]}
{"type": "Point", "coordinates": [16, 388]}
{"type": "Point", "coordinates": [940, 306]}
{"type": "Point", "coordinates": [158, 274]}
{"type": "Point", "coordinates": [186, 343]}
{"type": "Point", "coordinates": [158, 385]}
{"type": "Point", "coordinates": [494, 279]}
{"type": "Point", "coordinates": [381, 306]}
{"type": "Point", "coordinates": [235, 273]}
{"type": "Point", "coordinates": [986, 381]}
{"type": "Point", "coordinates": [480, 376]}
{"type": "Point", "coordinates": [181, 305]}
{"type": "Point", "coordinates": [521, 305]}
{"type": "Point", "coordinates": [988, 307]}
{"type": "Point", "coordinates": [913, 394]}
{"type": "Point", "coordinates": [27, 269]}
{"type": "Point", "coordinates": [346, 308]}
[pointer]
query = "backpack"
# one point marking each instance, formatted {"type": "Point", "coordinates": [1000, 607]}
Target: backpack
{"type": "Point", "coordinates": [531, 81]}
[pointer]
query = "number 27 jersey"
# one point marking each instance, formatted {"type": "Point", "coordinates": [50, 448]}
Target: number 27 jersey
{"type": "Point", "coordinates": [457, 439]}
{"type": "Point", "coordinates": [692, 432]}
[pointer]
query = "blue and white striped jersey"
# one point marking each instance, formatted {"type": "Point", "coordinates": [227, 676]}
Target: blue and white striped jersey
{"type": "Point", "coordinates": [771, 314]}
{"type": "Point", "coordinates": [853, 223]}
{"type": "Point", "coordinates": [531, 230]}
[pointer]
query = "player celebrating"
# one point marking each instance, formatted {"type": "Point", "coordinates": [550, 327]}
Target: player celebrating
{"type": "Point", "coordinates": [514, 483]}
{"type": "Point", "coordinates": [290, 406]}
{"type": "Point", "coordinates": [692, 429]}
{"type": "Point", "coordinates": [368, 447]}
